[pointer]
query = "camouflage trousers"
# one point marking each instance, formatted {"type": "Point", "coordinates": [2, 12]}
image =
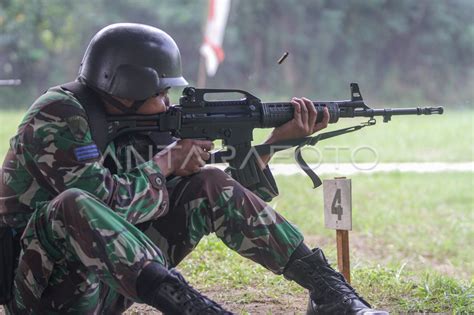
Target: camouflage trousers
{"type": "Point", "coordinates": [79, 256]}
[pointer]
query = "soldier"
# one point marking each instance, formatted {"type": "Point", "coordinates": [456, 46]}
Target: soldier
{"type": "Point", "coordinates": [96, 237]}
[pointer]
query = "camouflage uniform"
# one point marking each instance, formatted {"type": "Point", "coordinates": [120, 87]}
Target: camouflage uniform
{"type": "Point", "coordinates": [84, 244]}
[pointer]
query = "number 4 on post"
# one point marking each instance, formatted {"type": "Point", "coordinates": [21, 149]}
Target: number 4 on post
{"type": "Point", "coordinates": [338, 216]}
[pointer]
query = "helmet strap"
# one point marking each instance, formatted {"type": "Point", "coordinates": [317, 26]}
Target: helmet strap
{"type": "Point", "coordinates": [120, 106]}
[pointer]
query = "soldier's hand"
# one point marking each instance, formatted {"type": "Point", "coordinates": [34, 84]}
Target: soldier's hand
{"type": "Point", "coordinates": [303, 123]}
{"type": "Point", "coordinates": [184, 157]}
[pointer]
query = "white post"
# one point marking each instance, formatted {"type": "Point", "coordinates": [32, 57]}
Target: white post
{"type": "Point", "coordinates": [338, 216]}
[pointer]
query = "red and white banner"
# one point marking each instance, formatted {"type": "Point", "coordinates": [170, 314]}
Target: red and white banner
{"type": "Point", "coordinates": [211, 48]}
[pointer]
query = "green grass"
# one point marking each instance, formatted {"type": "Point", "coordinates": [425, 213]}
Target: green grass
{"type": "Point", "coordinates": [411, 245]}
{"type": "Point", "coordinates": [445, 138]}
{"type": "Point", "coordinates": [221, 273]}
{"type": "Point", "coordinates": [9, 121]}
{"type": "Point", "coordinates": [420, 216]}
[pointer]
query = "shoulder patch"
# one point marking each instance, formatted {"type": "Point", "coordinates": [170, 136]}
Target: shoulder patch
{"type": "Point", "coordinates": [78, 126]}
{"type": "Point", "coordinates": [86, 152]}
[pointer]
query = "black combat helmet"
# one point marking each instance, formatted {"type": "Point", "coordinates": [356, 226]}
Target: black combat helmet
{"type": "Point", "coordinates": [132, 61]}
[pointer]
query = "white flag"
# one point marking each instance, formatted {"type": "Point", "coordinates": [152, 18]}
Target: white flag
{"type": "Point", "coordinates": [211, 48]}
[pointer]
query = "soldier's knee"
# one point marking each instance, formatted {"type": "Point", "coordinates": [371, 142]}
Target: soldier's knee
{"type": "Point", "coordinates": [69, 195]}
{"type": "Point", "coordinates": [213, 175]}
{"type": "Point", "coordinates": [212, 181]}
{"type": "Point", "coordinates": [64, 207]}
{"type": "Point", "coordinates": [70, 201]}
{"type": "Point", "coordinates": [72, 204]}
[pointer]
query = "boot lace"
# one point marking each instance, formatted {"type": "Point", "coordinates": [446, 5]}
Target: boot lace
{"type": "Point", "coordinates": [195, 302]}
{"type": "Point", "coordinates": [328, 277]}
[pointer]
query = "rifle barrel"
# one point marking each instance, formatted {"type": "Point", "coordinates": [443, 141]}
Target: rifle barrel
{"type": "Point", "coordinates": [275, 114]}
{"type": "Point", "coordinates": [397, 111]}
{"type": "Point", "coordinates": [387, 113]}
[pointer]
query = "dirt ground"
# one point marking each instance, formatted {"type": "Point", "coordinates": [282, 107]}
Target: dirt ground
{"type": "Point", "coordinates": [274, 307]}
{"type": "Point", "coordinates": [288, 307]}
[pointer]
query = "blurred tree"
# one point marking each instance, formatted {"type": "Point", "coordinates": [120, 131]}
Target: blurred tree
{"type": "Point", "coordinates": [400, 51]}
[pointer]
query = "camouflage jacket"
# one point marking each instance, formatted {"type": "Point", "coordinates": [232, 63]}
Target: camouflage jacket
{"type": "Point", "coordinates": [53, 150]}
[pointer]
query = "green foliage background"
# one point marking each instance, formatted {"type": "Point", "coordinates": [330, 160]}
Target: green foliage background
{"type": "Point", "coordinates": [401, 52]}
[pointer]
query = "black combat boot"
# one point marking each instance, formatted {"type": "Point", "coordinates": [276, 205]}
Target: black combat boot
{"type": "Point", "coordinates": [329, 291]}
{"type": "Point", "coordinates": [174, 296]}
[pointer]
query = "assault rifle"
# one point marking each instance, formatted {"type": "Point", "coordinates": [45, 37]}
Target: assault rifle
{"type": "Point", "coordinates": [233, 121]}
